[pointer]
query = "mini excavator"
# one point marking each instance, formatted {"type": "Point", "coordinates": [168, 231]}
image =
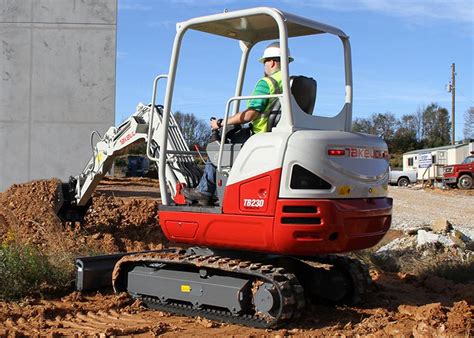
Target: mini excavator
{"type": "Point", "coordinates": [289, 201]}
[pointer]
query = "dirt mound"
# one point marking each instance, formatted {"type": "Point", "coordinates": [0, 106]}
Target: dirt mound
{"type": "Point", "coordinates": [80, 315]}
{"type": "Point", "coordinates": [389, 310]}
{"type": "Point", "coordinates": [119, 219]}
{"type": "Point", "coordinates": [123, 225]}
{"type": "Point", "coordinates": [28, 213]}
{"type": "Point", "coordinates": [28, 216]}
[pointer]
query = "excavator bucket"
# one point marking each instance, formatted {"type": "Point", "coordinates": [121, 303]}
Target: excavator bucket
{"type": "Point", "coordinates": [68, 210]}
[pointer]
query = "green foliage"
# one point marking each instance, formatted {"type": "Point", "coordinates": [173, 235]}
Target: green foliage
{"type": "Point", "coordinates": [24, 271]}
{"type": "Point", "coordinates": [426, 128]}
{"type": "Point", "coordinates": [436, 126]}
{"type": "Point", "coordinates": [396, 161]}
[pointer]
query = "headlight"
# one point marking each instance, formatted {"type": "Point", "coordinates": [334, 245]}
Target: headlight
{"type": "Point", "coordinates": [448, 169]}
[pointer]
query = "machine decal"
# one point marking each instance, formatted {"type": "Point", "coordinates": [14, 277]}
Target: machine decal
{"type": "Point", "coordinates": [253, 203]}
{"type": "Point", "coordinates": [127, 137]}
{"type": "Point", "coordinates": [100, 157]}
{"type": "Point", "coordinates": [344, 190]}
{"type": "Point", "coordinates": [367, 153]}
{"type": "Point", "coordinates": [359, 152]}
{"type": "Point", "coordinates": [185, 288]}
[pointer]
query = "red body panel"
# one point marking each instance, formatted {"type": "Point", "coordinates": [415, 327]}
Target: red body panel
{"type": "Point", "coordinates": [254, 196]}
{"type": "Point", "coordinates": [253, 218]}
{"type": "Point", "coordinates": [336, 225]}
{"type": "Point", "coordinates": [344, 225]}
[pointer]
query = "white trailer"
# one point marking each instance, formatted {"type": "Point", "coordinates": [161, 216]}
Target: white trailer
{"type": "Point", "coordinates": [429, 163]}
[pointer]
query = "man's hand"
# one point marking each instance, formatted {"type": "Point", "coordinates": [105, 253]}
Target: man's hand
{"type": "Point", "coordinates": [216, 124]}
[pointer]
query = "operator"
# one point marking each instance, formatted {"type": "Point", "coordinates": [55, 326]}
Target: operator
{"type": "Point", "coordinates": [257, 112]}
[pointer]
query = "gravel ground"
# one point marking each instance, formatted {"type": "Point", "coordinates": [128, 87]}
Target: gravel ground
{"type": "Point", "coordinates": [414, 208]}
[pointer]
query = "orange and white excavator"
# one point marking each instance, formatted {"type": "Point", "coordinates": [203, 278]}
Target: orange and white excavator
{"type": "Point", "coordinates": [289, 199]}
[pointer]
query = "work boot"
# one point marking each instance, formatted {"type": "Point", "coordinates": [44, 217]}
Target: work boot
{"type": "Point", "coordinates": [196, 196]}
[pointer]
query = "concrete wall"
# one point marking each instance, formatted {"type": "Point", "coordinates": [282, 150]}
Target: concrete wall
{"type": "Point", "coordinates": [57, 84]}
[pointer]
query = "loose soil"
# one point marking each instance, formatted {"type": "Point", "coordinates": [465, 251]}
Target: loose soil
{"type": "Point", "coordinates": [123, 218]}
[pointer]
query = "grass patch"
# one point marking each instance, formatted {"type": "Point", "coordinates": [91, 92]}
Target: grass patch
{"type": "Point", "coordinates": [25, 271]}
{"type": "Point", "coordinates": [458, 272]}
{"type": "Point", "coordinates": [421, 263]}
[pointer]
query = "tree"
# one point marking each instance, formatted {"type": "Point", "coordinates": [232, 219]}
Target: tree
{"type": "Point", "coordinates": [382, 125]}
{"type": "Point", "coordinates": [385, 126]}
{"type": "Point", "coordinates": [468, 129]}
{"type": "Point", "coordinates": [436, 126]}
{"type": "Point", "coordinates": [406, 135]}
{"type": "Point", "coordinates": [363, 125]}
{"type": "Point", "coordinates": [194, 131]}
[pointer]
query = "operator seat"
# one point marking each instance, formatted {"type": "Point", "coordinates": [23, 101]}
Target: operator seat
{"type": "Point", "coordinates": [304, 91]}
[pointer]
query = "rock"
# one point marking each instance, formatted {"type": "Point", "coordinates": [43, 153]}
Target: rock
{"type": "Point", "coordinates": [446, 241]}
{"type": "Point", "coordinates": [458, 234]}
{"type": "Point", "coordinates": [413, 232]}
{"type": "Point", "coordinates": [424, 237]}
{"type": "Point", "coordinates": [441, 225]}
{"type": "Point", "coordinates": [400, 243]}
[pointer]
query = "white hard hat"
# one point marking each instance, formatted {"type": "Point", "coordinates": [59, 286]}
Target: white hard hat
{"type": "Point", "coordinates": [273, 51]}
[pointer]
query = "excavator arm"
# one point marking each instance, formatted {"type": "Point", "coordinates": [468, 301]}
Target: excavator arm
{"type": "Point", "coordinates": [141, 127]}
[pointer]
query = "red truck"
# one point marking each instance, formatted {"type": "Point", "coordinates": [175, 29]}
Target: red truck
{"type": "Point", "coordinates": [462, 174]}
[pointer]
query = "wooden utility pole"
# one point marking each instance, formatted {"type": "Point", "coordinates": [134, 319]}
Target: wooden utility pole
{"type": "Point", "coordinates": [453, 100]}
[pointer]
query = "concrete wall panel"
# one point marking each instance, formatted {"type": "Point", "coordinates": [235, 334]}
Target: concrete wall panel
{"type": "Point", "coordinates": [57, 85]}
{"type": "Point", "coordinates": [14, 73]}
{"type": "Point", "coordinates": [15, 10]}
{"type": "Point", "coordinates": [79, 86]}
{"type": "Point", "coordinates": [66, 161]}
{"type": "Point", "coordinates": [75, 11]}
{"type": "Point", "coordinates": [14, 159]}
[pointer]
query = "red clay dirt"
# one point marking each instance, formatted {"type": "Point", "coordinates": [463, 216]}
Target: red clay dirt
{"type": "Point", "coordinates": [123, 218]}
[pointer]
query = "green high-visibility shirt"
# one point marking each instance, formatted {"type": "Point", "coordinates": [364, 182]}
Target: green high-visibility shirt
{"type": "Point", "coordinates": [264, 87]}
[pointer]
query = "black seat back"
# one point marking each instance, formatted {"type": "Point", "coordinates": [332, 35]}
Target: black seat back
{"type": "Point", "coordinates": [304, 91]}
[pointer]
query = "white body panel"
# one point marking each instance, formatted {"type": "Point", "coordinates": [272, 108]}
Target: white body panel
{"type": "Point", "coordinates": [350, 177]}
{"type": "Point", "coordinates": [261, 153]}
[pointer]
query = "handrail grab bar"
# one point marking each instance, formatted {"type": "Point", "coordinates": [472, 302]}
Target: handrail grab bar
{"type": "Point", "coordinates": [224, 126]}
{"type": "Point", "coordinates": [152, 114]}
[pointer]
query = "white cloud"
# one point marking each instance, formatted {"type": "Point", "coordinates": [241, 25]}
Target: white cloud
{"type": "Point", "coordinates": [454, 10]}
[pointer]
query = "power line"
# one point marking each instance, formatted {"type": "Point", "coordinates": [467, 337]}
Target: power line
{"type": "Point", "coordinates": [462, 94]}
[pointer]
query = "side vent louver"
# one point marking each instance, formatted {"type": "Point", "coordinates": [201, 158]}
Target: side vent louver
{"type": "Point", "coordinates": [302, 178]}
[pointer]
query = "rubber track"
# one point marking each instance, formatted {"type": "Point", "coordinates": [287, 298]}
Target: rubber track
{"type": "Point", "coordinates": [357, 271]}
{"type": "Point", "coordinates": [289, 290]}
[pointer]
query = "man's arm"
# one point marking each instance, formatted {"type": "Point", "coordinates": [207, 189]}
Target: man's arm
{"type": "Point", "coordinates": [242, 117]}
{"type": "Point", "coordinates": [254, 107]}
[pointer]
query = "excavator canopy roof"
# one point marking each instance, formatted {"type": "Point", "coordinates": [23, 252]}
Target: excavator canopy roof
{"type": "Point", "coordinates": [257, 24]}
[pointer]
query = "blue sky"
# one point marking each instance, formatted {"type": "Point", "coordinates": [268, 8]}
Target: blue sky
{"type": "Point", "coordinates": [401, 55]}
